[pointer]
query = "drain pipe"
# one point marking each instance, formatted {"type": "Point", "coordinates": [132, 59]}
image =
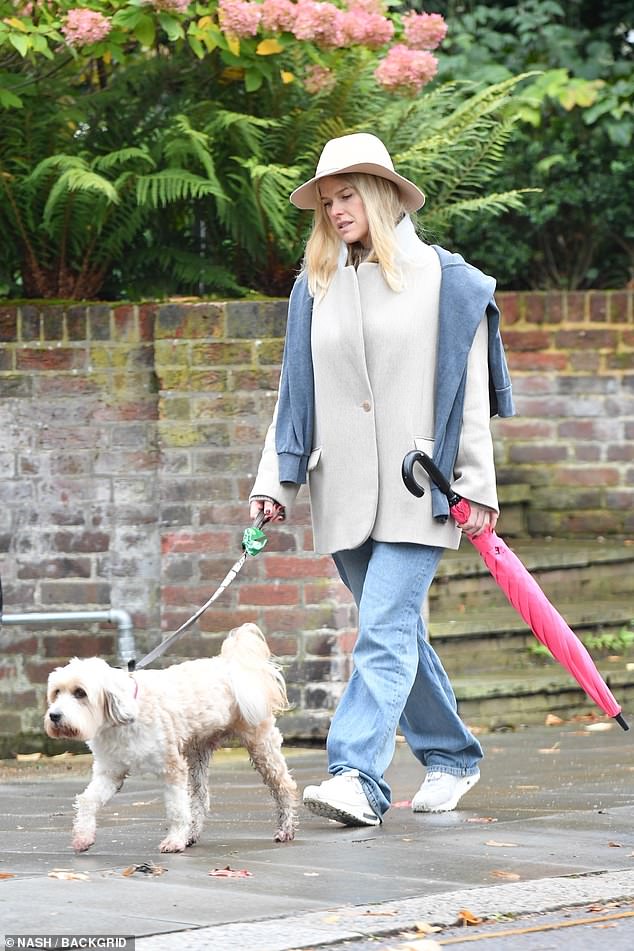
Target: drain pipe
{"type": "Point", "coordinates": [125, 639]}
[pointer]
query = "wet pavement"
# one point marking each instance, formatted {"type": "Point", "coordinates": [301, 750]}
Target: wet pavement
{"type": "Point", "coordinates": [549, 826]}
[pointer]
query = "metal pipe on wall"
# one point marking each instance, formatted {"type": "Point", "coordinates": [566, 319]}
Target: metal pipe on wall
{"type": "Point", "coordinates": [126, 647]}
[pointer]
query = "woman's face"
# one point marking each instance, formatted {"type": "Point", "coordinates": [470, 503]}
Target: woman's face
{"type": "Point", "coordinates": [344, 209]}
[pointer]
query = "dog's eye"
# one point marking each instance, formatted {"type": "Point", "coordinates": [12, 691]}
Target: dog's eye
{"type": "Point", "coordinates": [79, 693]}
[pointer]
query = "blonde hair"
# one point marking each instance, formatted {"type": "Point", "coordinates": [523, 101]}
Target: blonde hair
{"type": "Point", "coordinates": [384, 208]}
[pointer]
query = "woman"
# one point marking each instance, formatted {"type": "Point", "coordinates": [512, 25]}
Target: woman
{"type": "Point", "coordinates": [391, 345]}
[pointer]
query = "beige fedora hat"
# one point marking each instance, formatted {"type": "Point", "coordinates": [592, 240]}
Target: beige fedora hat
{"type": "Point", "coordinates": [359, 152]}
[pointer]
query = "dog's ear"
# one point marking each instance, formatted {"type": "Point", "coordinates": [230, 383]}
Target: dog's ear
{"type": "Point", "coordinates": [119, 706]}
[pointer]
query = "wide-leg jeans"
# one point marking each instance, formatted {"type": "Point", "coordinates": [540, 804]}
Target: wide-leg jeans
{"type": "Point", "coordinates": [397, 678]}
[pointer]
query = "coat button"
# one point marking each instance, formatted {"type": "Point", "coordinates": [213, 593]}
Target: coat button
{"type": "Point", "coordinates": [366, 406]}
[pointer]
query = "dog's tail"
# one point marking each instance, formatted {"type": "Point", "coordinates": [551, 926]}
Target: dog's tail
{"type": "Point", "coordinates": [257, 682]}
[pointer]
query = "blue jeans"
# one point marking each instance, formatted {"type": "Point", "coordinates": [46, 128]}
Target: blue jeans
{"type": "Point", "coordinates": [397, 678]}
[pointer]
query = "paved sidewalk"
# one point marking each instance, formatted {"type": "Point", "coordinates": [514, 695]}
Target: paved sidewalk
{"type": "Point", "coordinates": [550, 825]}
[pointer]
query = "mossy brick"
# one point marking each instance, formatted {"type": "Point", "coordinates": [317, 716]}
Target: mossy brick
{"type": "Point", "coordinates": [125, 324]}
{"type": "Point", "coordinates": [620, 306]}
{"type": "Point", "coordinates": [221, 353]}
{"type": "Point", "coordinates": [53, 323]}
{"type": "Point", "coordinates": [187, 380]}
{"type": "Point", "coordinates": [16, 386]}
{"type": "Point", "coordinates": [29, 323]}
{"type": "Point", "coordinates": [174, 408]}
{"type": "Point", "coordinates": [189, 321]}
{"type": "Point", "coordinates": [6, 359]}
{"type": "Point", "coordinates": [171, 353]}
{"type": "Point", "coordinates": [620, 361]}
{"type": "Point", "coordinates": [254, 379]}
{"type": "Point", "coordinates": [100, 358]}
{"type": "Point", "coordinates": [270, 351]}
{"type": "Point", "coordinates": [179, 435]}
{"type": "Point", "coordinates": [9, 325]}
{"type": "Point", "coordinates": [256, 319]}
{"type": "Point", "coordinates": [77, 322]}
{"type": "Point", "coordinates": [99, 321]}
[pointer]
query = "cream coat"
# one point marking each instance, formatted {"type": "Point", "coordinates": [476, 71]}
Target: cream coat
{"type": "Point", "coordinates": [374, 354]}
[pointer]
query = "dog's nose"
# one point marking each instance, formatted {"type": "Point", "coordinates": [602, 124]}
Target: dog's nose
{"type": "Point", "coordinates": [54, 716]}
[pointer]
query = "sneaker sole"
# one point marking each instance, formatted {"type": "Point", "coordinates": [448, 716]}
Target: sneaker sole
{"type": "Point", "coordinates": [327, 811]}
{"type": "Point", "coordinates": [451, 804]}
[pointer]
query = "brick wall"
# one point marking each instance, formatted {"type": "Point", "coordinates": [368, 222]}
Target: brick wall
{"type": "Point", "coordinates": [571, 357]}
{"type": "Point", "coordinates": [129, 438]}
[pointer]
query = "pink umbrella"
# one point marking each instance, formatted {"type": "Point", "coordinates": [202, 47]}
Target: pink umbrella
{"type": "Point", "coordinates": [523, 592]}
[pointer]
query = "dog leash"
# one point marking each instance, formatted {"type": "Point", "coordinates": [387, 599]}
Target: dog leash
{"type": "Point", "coordinates": [253, 541]}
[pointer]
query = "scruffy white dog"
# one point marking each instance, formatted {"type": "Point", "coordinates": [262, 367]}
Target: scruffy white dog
{"type": "Point", "coordinates": [168, 722]}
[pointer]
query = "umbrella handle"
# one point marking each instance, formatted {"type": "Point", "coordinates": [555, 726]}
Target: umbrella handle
{"type": "Point", "coordinates": [434, 473]}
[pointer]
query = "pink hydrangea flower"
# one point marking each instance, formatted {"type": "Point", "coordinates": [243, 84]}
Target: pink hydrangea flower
{"type": "Point", "coordinates": [368, 6]}
{"type": "Point", "coordinates": [83, 27]}
{"type": "Point", "coordinates": [238, 17]}
{"type": "Point", "coordinates": [367, 29]}
{"type": "Point", "coordinates": [406, 69]}
{"type": "Point", "coordinates": [424, 31]}
{"type": "Point", "coordinates": [319, 79]}
{"type": "Point", "coordinates": [321, 22]}
{"type": "Point", "coordinates": [171, 6]}
{"type": "Point", "coordinates": [278, 16]}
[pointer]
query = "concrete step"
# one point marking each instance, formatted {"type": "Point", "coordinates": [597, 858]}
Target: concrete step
{"type": "Point", "coordinates": [566, 571]}
{"type": "Point", "coordinates": [496, 701]}
{"type": "Point", "coordinates": [500, 641]}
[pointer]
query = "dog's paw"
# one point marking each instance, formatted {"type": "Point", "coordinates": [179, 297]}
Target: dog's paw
{"type": "Point", "coordinates": [284, 835]}
{"type": "Point", "coordinates": [173, 844]}
{"type": "Point", "coordinates": [81, 843]}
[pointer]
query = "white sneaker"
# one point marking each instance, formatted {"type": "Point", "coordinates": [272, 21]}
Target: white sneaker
{"type": "Point", "coordinates": [441, 792]}
{"type": "Point", "coordinates": [341, 798]}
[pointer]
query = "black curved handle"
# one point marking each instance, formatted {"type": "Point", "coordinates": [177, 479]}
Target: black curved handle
{"type": "Point", "coordinates": [407, 473]}
{"type": "Point", "coordinates": [432, 470]}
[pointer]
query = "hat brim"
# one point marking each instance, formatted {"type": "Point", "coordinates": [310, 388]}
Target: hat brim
{"type": "Point", "coordinates": [307, 198]}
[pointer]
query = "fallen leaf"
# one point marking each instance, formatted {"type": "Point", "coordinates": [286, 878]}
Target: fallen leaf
{"type": "Point", "coordinates": [466, 917]}
{"type": "Point", "coordinates": [598, 727]}
{"type": "Point", "coordinates": [614, 845]}
{"type": "Point", "coordinates": [228, 872]}
{"type": "Point", "coordinates": [502, 873]}
{"type": "Point", "coordinates": [501, 845]}
{"type": "Point", "coordinates": [425, 928]}
{"type": "Point", "coordinates": [68, 875]}
{"type": "Point", "coordinates": [4, 875]}
{"type": "Point", "coordinates": [553, 720]}
{"type": "Point", "coordinates": [148, 868]}
{"type": "Point", "coordinates": [481, 819]}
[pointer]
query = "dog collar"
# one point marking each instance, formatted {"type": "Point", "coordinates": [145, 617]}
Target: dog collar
{"type": "Point", "coordinates": [136, 686]}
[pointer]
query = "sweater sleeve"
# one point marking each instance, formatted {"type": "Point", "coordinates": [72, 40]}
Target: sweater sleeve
{"type": "Point", "coordinates": [474, 469]}
{"type": "Point", "coordinates": [267, 481]}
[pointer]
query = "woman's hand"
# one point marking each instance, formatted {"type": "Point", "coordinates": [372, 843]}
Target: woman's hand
{"type": "Point", "coordinates": [272, 509]}
{"type": "Point", "coordinates": [480, 520]}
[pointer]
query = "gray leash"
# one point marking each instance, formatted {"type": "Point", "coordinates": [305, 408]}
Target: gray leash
{"type": "Point", "coordinates": [253, 541]}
